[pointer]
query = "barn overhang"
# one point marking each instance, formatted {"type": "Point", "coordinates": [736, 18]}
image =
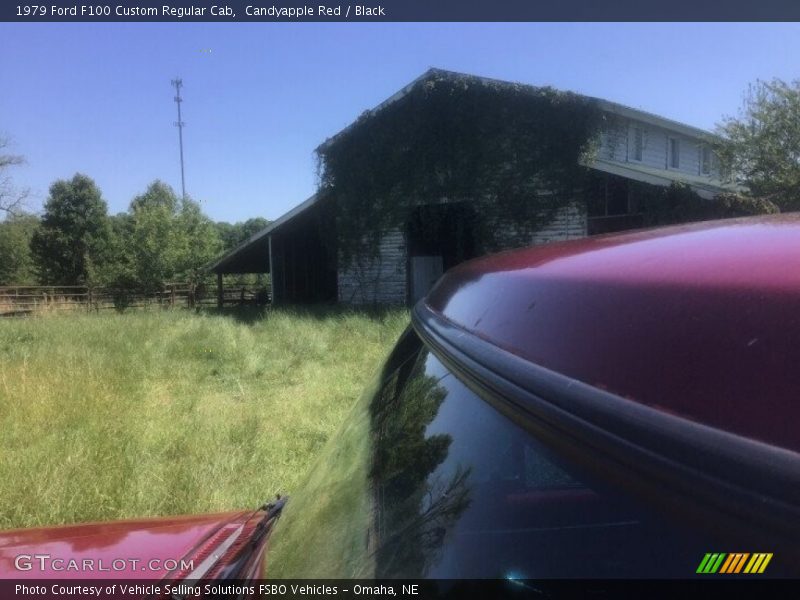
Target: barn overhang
{"type": "Point", "coordinates": [253, 255]}
{"type": "Point", "coordinates": [294, 250]}
{"type": "Point", "coordinates": [704, 187]}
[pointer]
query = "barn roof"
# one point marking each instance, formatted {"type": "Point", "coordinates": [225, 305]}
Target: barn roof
{"type": "Point", "coordinates": [604, 105]}
{"type": "Point", "coordinates": [252, 255]}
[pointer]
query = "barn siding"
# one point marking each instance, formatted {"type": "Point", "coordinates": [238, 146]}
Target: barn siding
{"type": "Point", "coordinates": [381, 280]}
{"type": "Point", "coordinates": [384, 280]}
{"type": "Point", "coordinates": [568, 223]}
{"type": "Point", "coordinates": [616, 143]}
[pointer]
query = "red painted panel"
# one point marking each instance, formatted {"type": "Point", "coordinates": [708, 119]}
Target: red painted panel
{"type": "Point", "coordinates": [700, 320]}
{"type": "Point", "coordinates": [101, 544]}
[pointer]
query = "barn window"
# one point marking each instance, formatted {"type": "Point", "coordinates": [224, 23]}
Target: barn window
{"type": "Point", "coordinates": [638, 144]}
{"type": "Point", "coordinates": [706, 160]}
{"type": "Point", "coordinates": [674, 155]}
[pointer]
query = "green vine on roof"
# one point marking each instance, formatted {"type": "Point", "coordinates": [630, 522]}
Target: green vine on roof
{"type": "Point", "coordinates": [456, 138]}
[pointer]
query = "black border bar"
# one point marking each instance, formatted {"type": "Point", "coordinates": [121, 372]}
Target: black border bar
{"type": "Point", "coordinates": [447, 589]}
{"type": "Point", "coordinates": [401, 11]}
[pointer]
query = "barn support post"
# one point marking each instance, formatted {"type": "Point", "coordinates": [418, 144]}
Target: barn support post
{"type": "Point", "coordinates": [271, 272]}
{"type": "Point", "coordinates": [283, 269]}
{"type": "Point", "coordinates": [220, 296]}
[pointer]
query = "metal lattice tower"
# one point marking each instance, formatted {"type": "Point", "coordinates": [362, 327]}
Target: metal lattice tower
{"type": "Point", "coordinates": [178, 83]}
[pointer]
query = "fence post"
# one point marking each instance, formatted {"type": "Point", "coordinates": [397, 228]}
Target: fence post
{"type": "Point", "coordinates": [220, 293]}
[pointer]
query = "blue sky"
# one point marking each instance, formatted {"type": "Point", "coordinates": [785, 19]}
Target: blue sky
{"type": "Point", "coordinates": [259, 97]}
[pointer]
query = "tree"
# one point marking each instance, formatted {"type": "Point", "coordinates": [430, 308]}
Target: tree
{"type": "Point", "coordinates": [234, 234]}
{"type": "Point", "coordinates": [251, 227]}
{"type": "Point", "coordinates": [202, 240]}
{"type": "Point", "coordinates": [168, 238]}
{"type": "Point", "coordinates": [761, 147]}
{"type": "Point", "coordinates": [73, 235]}
{"type": "Point", "coordinates": [11, 199]}
{"type": "Point", "coordinates": [118, 270]}
{"type": "Point", "coordinates": [16, 266]}
{"type": "Point", "coordinates": [155, 238]}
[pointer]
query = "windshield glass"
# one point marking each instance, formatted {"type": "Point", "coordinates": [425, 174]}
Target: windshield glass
{"type": "Point", "coordinates": [428, 480]}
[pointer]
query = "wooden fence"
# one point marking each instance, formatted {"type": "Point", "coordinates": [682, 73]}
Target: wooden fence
{"type": "Point", "coordinates": [37, 299]}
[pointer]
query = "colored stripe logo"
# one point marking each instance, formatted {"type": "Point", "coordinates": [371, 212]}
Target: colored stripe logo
{"type": "Point", "coordinates": [733, 563]}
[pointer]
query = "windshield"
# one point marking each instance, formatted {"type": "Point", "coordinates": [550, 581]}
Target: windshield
{"type": "Point", "coordinates": [428, 480]}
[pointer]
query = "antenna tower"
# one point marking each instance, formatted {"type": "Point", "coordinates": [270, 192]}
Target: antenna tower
{"type": "Point", "coordinates": [178, 83]}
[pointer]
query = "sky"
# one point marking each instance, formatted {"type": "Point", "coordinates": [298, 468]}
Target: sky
{"type": "Point", "coordinates": [260, 97]}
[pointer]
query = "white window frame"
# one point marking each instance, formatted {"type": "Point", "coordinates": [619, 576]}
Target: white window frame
{"type": "Point", "coordinates": [637, 132]}
{"type": "Point", "coordinates": [706, 167]}
{"type": "Point", "coordinates": [673, 152]}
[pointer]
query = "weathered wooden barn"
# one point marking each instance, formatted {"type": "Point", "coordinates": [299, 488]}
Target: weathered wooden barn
{"type": "Point", "coordinates": [310, 254]}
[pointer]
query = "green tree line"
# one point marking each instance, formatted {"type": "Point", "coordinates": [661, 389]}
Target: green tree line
{"type": "Point", "coordinates": [160, 238]}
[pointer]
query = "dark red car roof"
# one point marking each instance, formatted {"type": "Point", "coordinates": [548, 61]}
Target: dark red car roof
{"type": "Point", "coordinates": [700, 320]}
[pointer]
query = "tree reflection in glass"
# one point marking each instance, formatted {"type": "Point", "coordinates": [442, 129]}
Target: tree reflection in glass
{"type": "Point", "coordinates": [415, 505]}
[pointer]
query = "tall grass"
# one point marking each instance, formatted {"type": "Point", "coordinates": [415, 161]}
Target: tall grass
{"type": "Point", "coordinates": [170, 412]}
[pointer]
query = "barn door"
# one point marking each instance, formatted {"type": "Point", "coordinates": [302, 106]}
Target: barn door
{"type": "Point", "coordinates": [425, 271]}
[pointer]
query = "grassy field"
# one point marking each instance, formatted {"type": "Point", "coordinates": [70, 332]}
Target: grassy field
{"type": "Point", "coordinates": [171, 412]}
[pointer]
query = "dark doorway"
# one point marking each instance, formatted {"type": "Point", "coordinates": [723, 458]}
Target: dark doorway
{"type": "Point", "coordinates": [439, 236]}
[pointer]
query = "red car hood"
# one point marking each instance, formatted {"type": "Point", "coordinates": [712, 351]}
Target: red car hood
{"type": "Point", "coordinates": [140, 549]}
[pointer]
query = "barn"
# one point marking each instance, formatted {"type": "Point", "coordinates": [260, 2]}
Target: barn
{"type": "Point", "coordinates": [454, 166]}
